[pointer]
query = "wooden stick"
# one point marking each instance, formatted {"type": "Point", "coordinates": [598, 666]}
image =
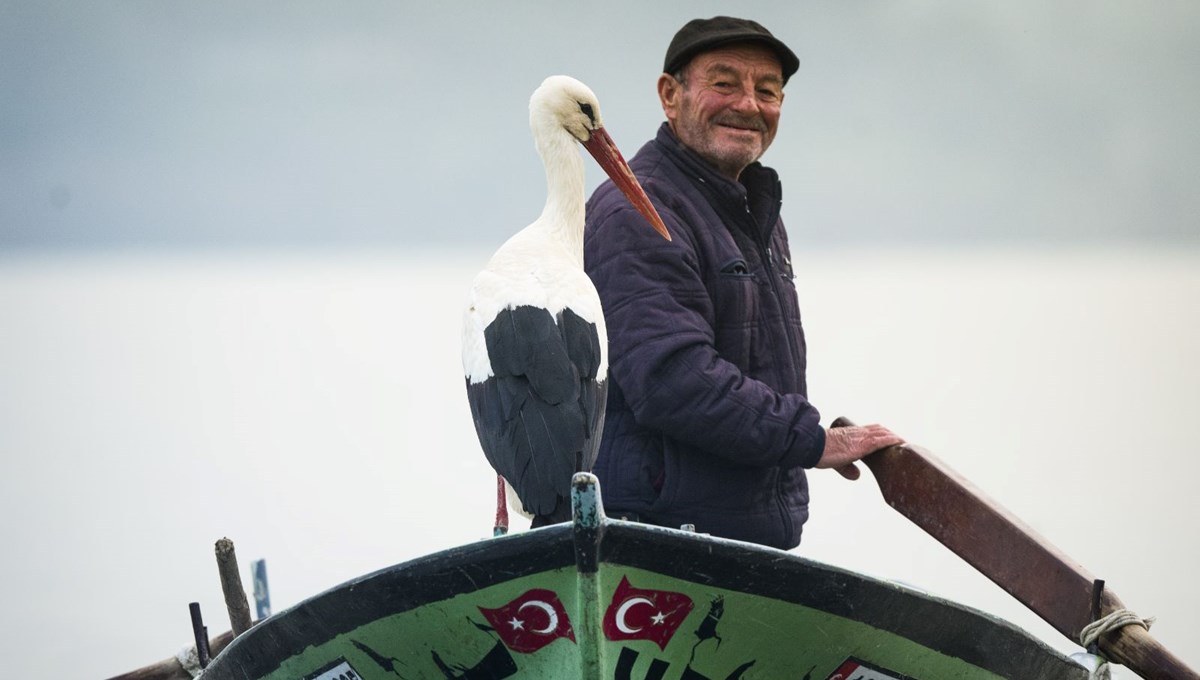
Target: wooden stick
{"type": "Point", "coordinates": [171, 669]}
{"type": "Point", "coordinates": [949, 508]}
{"type": "Point", "coordinates": [231, 585]}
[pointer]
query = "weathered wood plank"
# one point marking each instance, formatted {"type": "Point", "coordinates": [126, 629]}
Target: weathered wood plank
{"type": "Point", "coordinates": [951, 509]}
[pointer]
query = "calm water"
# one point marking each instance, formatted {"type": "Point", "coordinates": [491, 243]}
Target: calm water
{"type": "Point", "coordinates": [311, 408]}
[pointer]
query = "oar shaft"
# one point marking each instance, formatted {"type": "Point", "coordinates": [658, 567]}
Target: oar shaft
{"type": "Point", "coordinates": [1031, 569]}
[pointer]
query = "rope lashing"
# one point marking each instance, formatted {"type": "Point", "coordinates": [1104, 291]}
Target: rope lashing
{"type": "Point", "coordinates": [1092, 633]}
{"type": "Point", "coordinates": [189, 658]}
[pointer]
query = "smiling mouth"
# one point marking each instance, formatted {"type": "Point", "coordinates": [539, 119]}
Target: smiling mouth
{"type": "Point", "coordinates": [742, 126]}
{"type": "Point", "coordinates": [739, 128]}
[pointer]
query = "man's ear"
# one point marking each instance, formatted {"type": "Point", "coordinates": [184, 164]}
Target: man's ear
{"type": "Point", "coordinates": [669, 92]}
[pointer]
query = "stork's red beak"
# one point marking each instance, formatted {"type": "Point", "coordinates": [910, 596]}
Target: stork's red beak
{"type": "Point", "coordinates": [602, 148]}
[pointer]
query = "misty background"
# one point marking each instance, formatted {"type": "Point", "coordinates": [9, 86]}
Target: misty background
{"type": "Point", "coordinates": [308, 124]}
{"type": "Point", "coordinates": [235, 239]}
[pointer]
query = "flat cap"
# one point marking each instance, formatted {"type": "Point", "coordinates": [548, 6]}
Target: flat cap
{"type": "Point", "coordinates": [699, 35]}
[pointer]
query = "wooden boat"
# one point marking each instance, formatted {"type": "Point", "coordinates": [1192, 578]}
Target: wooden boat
{"type": "Point", "coordinates": [603, 598]}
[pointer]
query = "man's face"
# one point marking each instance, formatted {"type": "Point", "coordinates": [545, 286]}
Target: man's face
{"type": "Point", "coordinates": [727, 107]}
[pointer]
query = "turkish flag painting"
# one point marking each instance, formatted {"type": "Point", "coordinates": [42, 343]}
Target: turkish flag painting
{"type": "Point", "coordinates": [530, 622]}
{"type": "Point", "coordinates": [640, 614]}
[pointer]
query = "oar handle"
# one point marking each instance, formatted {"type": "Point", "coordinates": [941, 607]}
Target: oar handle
{"type": "Point", "coordinates": [1031, 569]}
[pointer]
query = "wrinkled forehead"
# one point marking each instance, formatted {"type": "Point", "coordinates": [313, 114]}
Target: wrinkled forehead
{"type": "Point", "coordinates": [742, 59]}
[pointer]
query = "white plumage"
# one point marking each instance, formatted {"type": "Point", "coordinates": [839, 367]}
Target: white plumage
{"type": "Point", "coordinates": [535, 350]}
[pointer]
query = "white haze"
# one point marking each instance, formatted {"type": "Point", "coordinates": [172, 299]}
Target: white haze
{"type": "Point", "coordinates": [311, 408]}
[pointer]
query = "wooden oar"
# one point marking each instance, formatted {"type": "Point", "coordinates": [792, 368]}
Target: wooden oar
{"type": "Point", "coordinates": [1014, 556]}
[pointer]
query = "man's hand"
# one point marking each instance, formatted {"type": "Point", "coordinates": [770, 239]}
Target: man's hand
{"type": "Point", "coordinates": [844, 445]}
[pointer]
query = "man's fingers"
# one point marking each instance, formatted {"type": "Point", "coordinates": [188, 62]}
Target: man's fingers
{"type": "Point", "coordinates": [844, 445]}
{"type": "Point", "coordinates": [877, 437]}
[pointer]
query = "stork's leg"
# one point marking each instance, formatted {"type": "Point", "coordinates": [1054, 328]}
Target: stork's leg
{"type": "Point", "coordinates": [501, 526]}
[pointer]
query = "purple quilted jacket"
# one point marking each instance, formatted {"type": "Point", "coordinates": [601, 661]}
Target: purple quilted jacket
{"type": "Point", "coordinates": [708, 420]}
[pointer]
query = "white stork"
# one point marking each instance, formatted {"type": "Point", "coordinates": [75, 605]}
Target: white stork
{"type": "Point", "coordinates": [535, 350]}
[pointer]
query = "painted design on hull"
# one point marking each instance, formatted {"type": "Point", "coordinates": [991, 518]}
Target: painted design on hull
{"type": "Point", "coordinates": [855, 669]}
{"type": "Point", "coordinates": [531, 621]}
{"type": "Point", "coordinates": [496, 665]}
{"type": "Point", "coordinates": [537, 617]}
{"type": "Point", "coordinates": [641, 614]}
{"type": "Point", "coordinates": [338, 670]}
{"type": "Point", "coordinates": [644, 621]}
{"type": "Point", "coordinates": [506, 631]}
{"type": "Point", "coordinates": [387, 663]}
{"type": "Point", "coordinates": [768, 615]}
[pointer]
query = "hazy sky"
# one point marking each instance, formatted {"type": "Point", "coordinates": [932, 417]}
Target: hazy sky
{"type": "Point", "coordinates": [221, 393]}
{"type": "Point", "coordinates": [299, 124]}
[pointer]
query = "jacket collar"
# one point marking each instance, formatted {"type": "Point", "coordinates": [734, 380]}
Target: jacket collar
{"type": "Point", "coordinates": [758, 188]}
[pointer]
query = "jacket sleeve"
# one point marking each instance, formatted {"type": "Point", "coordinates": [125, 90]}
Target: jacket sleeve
{"type": "Point", "coordinates": [662, 350]}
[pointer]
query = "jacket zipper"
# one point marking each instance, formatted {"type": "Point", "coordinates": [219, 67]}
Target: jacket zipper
{"type": "Point", "coordinates": [769, 263]}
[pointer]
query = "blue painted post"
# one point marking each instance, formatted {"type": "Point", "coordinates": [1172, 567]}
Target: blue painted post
{"type": "Point", "coordinates": [262, 594]}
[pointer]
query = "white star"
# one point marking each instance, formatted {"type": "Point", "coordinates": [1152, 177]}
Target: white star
{"type": "Point", "coordinates": [517, 624]}
{"type": "Point", "coordinates": [658, 618]}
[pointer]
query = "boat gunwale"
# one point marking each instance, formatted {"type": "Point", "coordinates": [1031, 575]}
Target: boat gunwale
{"type": "Point", "coordinates": [941, 625]}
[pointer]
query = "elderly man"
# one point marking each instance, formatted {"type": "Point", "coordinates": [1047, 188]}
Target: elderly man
{"type": "Point", "coordinates": [708, 419]}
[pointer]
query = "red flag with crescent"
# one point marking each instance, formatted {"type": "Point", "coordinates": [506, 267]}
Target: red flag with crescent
{"type": "Point", "coordinates": [530, 622]}
{"type": "Point", "coordinates": [640, 614]}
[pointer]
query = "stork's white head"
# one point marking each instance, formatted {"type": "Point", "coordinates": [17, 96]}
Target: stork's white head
{"type": "Point", "coordinates": [563, 103]}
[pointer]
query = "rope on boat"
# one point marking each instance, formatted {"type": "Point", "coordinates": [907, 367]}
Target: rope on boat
{"type": "Point", "coordinates": [189, 658]}
{"type": "Point", "coordinates": [1092, 633]}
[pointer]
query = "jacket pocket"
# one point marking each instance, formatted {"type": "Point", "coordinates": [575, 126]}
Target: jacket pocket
{"type": "Point", "coordinates": [694, 479]}
{"type": "Point", "coordinates": [737, 312]}
{"type": "Point", "coordinates": [736, 268]}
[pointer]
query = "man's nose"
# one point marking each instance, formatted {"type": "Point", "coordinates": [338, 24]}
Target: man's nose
{"type": "Point", "coordinates": [745, 101]}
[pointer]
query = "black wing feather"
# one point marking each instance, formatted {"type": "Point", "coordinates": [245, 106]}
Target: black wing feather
{"type": "Point", "coordinates": [543, 409]}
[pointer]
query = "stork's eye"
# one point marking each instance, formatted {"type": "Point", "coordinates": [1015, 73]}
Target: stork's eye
{"type": "Point", "coordinates": [587, 111]}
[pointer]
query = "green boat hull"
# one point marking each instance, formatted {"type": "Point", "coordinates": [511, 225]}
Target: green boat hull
{"type": "Point", "coordinates": [600, 598]}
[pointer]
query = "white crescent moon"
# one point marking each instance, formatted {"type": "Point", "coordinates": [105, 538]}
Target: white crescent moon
{"type": "Point", "coordinates": [624, 609]}
{"type": "Point", "coordinates": [549, 612]}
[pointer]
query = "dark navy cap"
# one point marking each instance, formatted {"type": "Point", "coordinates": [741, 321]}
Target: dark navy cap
{"type": "Point", "coordinates": [700, 35]}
